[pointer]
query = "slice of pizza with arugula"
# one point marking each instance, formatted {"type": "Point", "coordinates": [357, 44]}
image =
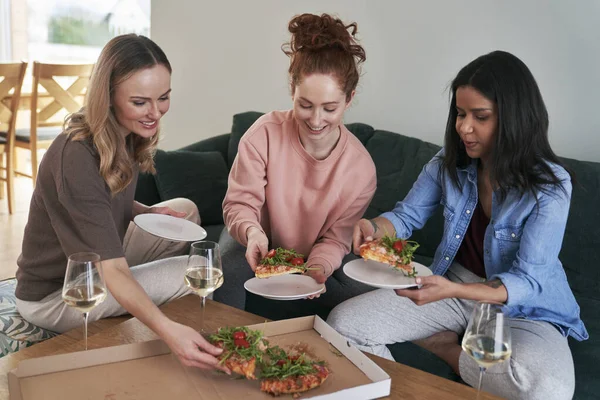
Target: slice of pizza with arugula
{"type": "Point", "coordinates": [280, 262]}
{"type": "Point", "coordinates": [242, 349]}
{"type": "Point", "coordinates": [393, 251]}
{"type": "Point", "coordinates": [290, 373]}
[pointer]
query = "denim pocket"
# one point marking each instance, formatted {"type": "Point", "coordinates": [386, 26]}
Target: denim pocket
{"type": "Point", "coordinates": [448, 211]}
{"type": "Point", "coordinates": [509, 232]}
{"type": "Point", "coordinates": [509, 241]}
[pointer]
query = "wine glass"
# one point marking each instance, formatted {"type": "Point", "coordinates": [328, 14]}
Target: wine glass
{"type": "Point", "coordinates": [204, 273]}
{"type": "Point", "coordinates": [487, 339]}
{"type": "Point", "coordinates": [84, 286]}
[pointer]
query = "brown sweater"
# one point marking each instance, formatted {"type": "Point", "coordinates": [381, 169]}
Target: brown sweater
{"type": "Point", "coordinates": [71, 211]}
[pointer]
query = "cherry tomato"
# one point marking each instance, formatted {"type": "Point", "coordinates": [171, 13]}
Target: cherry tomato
{"type": "Point", "coordinates": [398, 245]}
{"type": "Point", "coordinates": [297, 261]}
{"type": "Point", "coordinates": [271, 253]}
{"type": "Point", "coordinates": [241, 343]}
{"type": "Point", "coordinates": [294, 358]}
{"type": "Point", "coordinates": [281, 362]}
{"type": "Point", "coordinates": [239, 335]}
{"type": "Point", "coordinates": [289, 258]}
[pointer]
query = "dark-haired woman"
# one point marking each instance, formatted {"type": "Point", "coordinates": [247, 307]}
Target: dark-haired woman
{"type": "Point", "coordinates": [301, 180]}
{"type": "Point", "coordinates": [506, 199]}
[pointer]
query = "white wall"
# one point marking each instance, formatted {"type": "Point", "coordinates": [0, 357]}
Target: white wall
{"type": "Point", "coordinates": [227, 59]}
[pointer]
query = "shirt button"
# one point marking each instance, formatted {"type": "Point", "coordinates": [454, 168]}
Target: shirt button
{"type": "Point", "coordinates": [458, 236]}
{"type": "Point", "coordinates": [447, 258]}
{"type": "Point", "coordinates": [468, 211]}
{"type": "Point", "coordinates": [512, 235]}
{"type": "Point", "coordinates": [487, 252]}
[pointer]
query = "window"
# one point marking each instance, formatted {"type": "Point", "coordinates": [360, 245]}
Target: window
{"type": "Point", "coordinates": [67, 31]}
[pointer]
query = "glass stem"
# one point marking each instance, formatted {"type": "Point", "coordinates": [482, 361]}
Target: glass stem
{"type": "Point", "coordinates": [203, 306]}
{"type": "Point", "coordinates": [85, 322]}
{"type": "Point", "coordinates": [481, 372]}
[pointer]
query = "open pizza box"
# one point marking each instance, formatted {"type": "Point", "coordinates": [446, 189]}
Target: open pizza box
{"type": "Point", "coordinates": [149, 371]}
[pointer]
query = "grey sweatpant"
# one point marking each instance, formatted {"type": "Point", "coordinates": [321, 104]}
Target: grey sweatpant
{"type": "Point", "coordinates": [162, 279]}
{"type": "Point", "coordinates": [540, 367]}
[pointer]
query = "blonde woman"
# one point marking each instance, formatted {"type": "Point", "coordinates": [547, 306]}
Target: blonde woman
{"type": "Point", "coordinates": [83, 201]}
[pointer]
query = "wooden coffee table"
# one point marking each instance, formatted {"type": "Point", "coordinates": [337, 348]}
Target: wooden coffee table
{"type": "Point", "coordinates": [407, 382]}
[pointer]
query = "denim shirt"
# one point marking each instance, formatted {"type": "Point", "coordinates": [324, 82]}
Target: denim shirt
{"type": "Point", "coordinates": [521, 243]}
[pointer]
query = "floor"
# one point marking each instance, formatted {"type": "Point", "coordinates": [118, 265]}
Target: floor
{"type": "Point", "coordinates": [12, 227]}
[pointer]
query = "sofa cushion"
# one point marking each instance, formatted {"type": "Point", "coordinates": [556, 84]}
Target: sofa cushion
{"type": "Point", "coordinates": [362, 131]}
{"type": "Point", "coordinates": [16, 333]}
{"type": "Point", "coordinates": [241, 123]}
{"type": "Point", "coordinates": [399, 160]}
{"type": "Point", "coordinates": [146, 191]}
{"type": "Point", "coordinates": [198, 176]}
{"type": "Point", "coordinates": [218, 143]}
{"type": "Point", "coordinates": [581, 258]}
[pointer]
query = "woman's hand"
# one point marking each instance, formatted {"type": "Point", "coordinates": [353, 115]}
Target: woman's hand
{"type": "Point", "coordinates": [257, 248]}
{"type": "Point", "coordinates": [363, 232]}
{"type": "Point", "coordinates": [165, 211]}
{"type": "Point", "coordinates": [370, 229]}
{"type": "Point", "coordinates": [191, 348]}
{"type": "Point", "coordinates": [433, 288]}
{"type": "Point", "coordinates": [318, 274]}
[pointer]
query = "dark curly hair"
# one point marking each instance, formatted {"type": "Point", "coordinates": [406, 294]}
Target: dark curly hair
{"type": "Point", "coordinates": [324, 44]}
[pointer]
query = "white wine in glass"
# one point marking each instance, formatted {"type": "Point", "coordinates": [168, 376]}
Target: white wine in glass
{"type": "Point", "coordinates": [487, 338]}
{"type": "Point", "coordinates": [84, 286]}
{"type": "Point", "coordinates": [204, 273]}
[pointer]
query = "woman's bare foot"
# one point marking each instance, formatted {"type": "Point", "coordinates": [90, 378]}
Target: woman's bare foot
{"type": "Point", "coordinates": [444, 345]}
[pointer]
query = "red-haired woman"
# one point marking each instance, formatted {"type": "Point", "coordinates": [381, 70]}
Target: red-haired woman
{"type": "Point", "coordinates": [301, 180]}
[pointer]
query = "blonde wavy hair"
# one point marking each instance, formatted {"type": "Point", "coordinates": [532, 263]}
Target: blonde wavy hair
{"type": "Point", "coordinates": [121, 57]}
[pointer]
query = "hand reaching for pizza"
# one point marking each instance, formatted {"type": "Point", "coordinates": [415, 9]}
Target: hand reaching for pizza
{"type": "Point", "coordinates": [433, 288]}
{"type": "Point", "coordinates": [257, 248]}
{"type": "Point", "coordinates": [191, 348]}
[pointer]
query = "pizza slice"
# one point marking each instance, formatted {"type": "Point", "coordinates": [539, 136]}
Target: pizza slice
{"type": "Point", "coordinates": [280, 262]}
{"type": "Point", "coordinates": [289, 373]}
{"type": "Point", "coordinates": [393, 251]}
{"type": "Point", "coordinates": [242, 349]}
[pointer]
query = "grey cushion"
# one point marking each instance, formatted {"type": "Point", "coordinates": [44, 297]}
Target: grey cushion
{"type": "Point", "coordinates": [198, 176]}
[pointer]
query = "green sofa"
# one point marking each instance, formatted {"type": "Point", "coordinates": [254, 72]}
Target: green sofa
{"type": "Point", "coordinates": [199, 172]}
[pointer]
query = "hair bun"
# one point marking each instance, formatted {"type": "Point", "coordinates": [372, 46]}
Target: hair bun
{"type": "Point", "coordinates": [314, 33]}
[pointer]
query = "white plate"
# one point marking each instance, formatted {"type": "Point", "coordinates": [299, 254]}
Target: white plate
{"type": "Point", "coordinates": [168, 227]}
{"type": "Point", "coordinates": [284, 287]}
{"type": "Point", "coordinates": [382, 275]}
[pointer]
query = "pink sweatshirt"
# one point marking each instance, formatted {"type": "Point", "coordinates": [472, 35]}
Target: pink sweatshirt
{"type": "Point", "coordinates": [300, 203]}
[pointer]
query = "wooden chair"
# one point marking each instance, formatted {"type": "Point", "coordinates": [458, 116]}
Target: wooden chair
{"type": "Point", "coordinates": [49, 109]}
{"type": "Point", "coordinates": [12, 75]}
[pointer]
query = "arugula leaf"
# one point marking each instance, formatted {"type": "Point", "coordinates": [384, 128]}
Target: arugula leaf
{"type": "Point", "coordinates": [406, 255]}
{"type": "Point", "coordinates": [280, 365]}
{"type": "Point", "coordinates": [254, 338]}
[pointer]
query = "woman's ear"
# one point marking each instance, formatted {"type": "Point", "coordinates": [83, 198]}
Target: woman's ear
{"type": "Point", "coordinates": [351, 98]}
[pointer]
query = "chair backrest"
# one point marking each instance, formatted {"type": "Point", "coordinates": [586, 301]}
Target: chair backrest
{"type": "Point", "coordinates": [62, 98]}
{"type": "Point", "coordinates": [11, 80]}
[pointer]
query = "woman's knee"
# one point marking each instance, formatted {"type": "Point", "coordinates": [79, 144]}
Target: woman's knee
{"type": "Point", "coordinates": [181, 204]}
